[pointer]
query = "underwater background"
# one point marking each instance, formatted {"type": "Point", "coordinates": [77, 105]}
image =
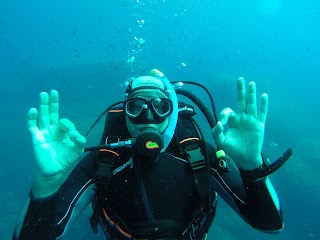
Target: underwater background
{"type": "Point", "coordinates": [87, 50]}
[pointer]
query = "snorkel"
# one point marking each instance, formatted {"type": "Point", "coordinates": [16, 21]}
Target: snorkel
{"type": "Point", "coordinates": [169, 132]}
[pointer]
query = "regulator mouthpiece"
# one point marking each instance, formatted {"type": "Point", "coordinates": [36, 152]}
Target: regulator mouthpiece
{"type": "Point", "coordinates": [148, 144]}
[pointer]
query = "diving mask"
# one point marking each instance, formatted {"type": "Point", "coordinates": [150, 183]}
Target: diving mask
{"type": "Point", "coordinates": [137, 108]}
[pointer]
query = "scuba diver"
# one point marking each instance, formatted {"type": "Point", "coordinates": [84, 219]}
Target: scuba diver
{"type": "Point", "coordinates": [153, 174]}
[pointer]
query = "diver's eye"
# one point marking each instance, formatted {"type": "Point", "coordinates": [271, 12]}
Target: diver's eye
{"type": "Point", "coordinates": [135, 107]}
{"type": "Point", "coordinates": [157, 104]}
{"type": "Point", "coordinates": [161, 106]}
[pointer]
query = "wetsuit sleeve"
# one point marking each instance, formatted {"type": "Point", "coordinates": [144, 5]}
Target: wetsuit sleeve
{"type": "Point", "coordinates": [256, 202]}
{"type": "Point", "coordinates": [49, 218]}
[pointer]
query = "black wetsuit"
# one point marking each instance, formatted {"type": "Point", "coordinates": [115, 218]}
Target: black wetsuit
{"type": "Point", "coordinates": [155, 197]}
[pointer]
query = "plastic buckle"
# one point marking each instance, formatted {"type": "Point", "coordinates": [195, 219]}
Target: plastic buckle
{"type": "Point", "coordinates": [104, 173]}
{"type": "Point", "coordinates": [196, 159]}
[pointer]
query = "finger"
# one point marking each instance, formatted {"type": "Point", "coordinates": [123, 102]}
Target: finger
{"type": "Point", "coordinates": [78, 139]}
{"type": "Point", "coordinates": [241, 90]}
{"type": "Point", "coordinates": [44, 118]}
{"type": "Point", "coordinates": [54, 107]}
{"type": "Point", "coordinates": [217, 133]}
{"type": "Point", "coordinates": [65, 127]}
{"type": "Point", "coordinates": [251, 99]}
{"type": "Point", "coordinates": [32, 117]}
{"type": "Point", "coordinates": [32, 121]}
{"type": "Point", "coordinates": [263, 109]}
{"type": "Point", "coordinates": [36, 135]}
{"type": "Point", "coordinates": [226, 114]}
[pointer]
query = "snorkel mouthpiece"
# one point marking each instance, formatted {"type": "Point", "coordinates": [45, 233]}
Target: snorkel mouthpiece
{"type": "Point", "coordinates": [148, 144]}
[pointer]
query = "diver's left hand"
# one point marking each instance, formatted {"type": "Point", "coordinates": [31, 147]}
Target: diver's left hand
{"type": "Point", "coordinates": [243, 140]}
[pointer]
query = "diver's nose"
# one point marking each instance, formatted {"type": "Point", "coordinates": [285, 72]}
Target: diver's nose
{"type": "Point", "coordinates": [148, 115]}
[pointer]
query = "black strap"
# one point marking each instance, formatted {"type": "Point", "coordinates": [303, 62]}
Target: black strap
{"type": "Point", "coordinates": [199, 169]}
{"type": "Point", "coordinates": [103, 180]}
{"type": "Point", "coordinates": [195, 151]}
{"type": "Point", "coordinates": [266, 169]}
{"type": "Point", "coordinates": [200, 165]}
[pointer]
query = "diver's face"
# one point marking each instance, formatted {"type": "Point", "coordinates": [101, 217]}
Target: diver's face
{"type": "Point", "coordinates": [150, 123]}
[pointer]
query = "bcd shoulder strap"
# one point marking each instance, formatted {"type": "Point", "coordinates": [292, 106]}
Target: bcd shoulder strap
{"type": "Point", "coordinates": [102, 179]}
{"type": "Point", "coordinates": [199, 168]}
{"type": "Point", "coordinates": [189, 141]}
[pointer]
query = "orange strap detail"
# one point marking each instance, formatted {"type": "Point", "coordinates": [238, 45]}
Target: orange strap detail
{"type": "Point", "coordinates": [107, 150]}
{"type": "Point", "coordinates": [113, 223]}
{"type": "Point", "coordinates": [188, 139]}
{"type": "Point", "coordinates": [119, 110]}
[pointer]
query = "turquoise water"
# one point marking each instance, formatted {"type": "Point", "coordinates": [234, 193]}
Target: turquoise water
{"type": "Point", "coordinates": [88, 49]}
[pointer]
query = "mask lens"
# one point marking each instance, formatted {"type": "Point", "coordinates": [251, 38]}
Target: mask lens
{"type": "Point", "coordinates": [162, 106]}
{"type": "Point", "coordinates": [135, 106]}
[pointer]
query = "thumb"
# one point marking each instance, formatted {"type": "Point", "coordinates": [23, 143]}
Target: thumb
{"type": "Point", "coordinates": [217, 133]}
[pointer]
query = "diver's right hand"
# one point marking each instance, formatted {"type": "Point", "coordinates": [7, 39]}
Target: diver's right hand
{"type": "Point", "coordinates": [56, 143]}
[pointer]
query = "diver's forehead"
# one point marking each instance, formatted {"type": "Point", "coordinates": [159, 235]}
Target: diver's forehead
{"type": "Point", "coordinates": [148, 93]}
